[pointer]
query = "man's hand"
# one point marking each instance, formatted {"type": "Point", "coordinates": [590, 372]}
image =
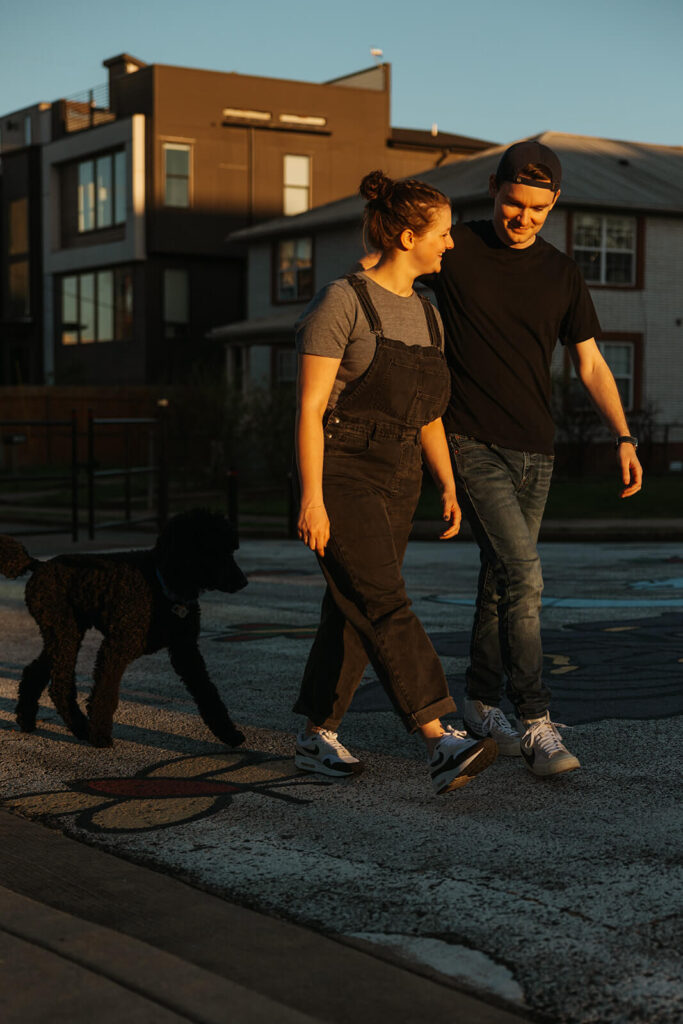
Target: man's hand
{"type": "Point", "coordinates": [631, 469]}
{"type": "Point", "coordinates": [313, 528]}
{"type": "Point", "coordinates": [451, 514]}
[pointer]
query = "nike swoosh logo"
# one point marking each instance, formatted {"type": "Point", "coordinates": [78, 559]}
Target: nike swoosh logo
{"type": "Point", "coordinates": [529, 755]}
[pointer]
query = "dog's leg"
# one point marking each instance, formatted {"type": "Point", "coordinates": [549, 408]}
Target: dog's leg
{"type": "Point", "coordinates": [110, 664]}
{"type": "Point", "coordinates": [34, 679]}
{"type": "Point", "coordinates": [190, 666]}
{"type": "Point", "coordinates": [62, 643]}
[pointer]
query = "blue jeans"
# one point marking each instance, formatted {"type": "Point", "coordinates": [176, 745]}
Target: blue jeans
{"type": "Point", "coordinates": [503, 494]}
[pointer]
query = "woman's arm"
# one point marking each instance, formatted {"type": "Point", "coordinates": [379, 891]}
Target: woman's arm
{"type": "Point", "coordinates": [438, 459]}
{"type": "Point", "coordinates": [315, 379]}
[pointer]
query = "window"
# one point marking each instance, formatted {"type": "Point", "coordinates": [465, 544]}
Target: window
{"type": "Point", "coordinates": [620, 355]}
{"type": "Point", "coordinates": [294, 270]}
{"type": "Point", "coordinates": [297, 184]}
{"type": "Point", "coordinates": [285, 365]}
{"type": "Point", "coordinates": [102, 192]}
{"type": "Point", "coordinates": [19, 294]}
{"type": "Point", "coordinates": [176, 303]}
{"type": "Point", "coordinates": [176, 174]}
{"type": "Point", "coordinates": [605, 248]}
{"type": "Point", "coordinates": [620, 359]}
{"type": "Point", "coordinates": [18, 227]}
{"type": "Point", "coordinates": [97, 306]}
{"type": "Point", "coordinates": [19, 305]}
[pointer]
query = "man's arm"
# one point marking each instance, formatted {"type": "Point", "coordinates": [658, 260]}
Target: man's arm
{"type": "Point", "coordinates": [598, 380]}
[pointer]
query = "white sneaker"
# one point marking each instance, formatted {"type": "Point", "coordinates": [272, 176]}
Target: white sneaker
{"type": "Point", "coordinates": [542, 747]}
{"type": "Point", "coordinates": [457, 759]}
{"type": "Point", "coordinates": [322, 752]}
{"type": "Point", "coordinates": [482, 720]}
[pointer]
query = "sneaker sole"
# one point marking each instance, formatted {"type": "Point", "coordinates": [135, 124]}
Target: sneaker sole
{"type": "Point", "coordinates": [508, 748]}
{"type": "Point", "coordinates": [485, 756]}
{"type": "Point", "coordinates": [311, 764]}
{"type": "Point", "coordinates": [553, 768]}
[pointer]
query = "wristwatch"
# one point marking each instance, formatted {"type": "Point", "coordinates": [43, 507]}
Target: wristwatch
{"type": "Point", "coordinates": [626, 439]}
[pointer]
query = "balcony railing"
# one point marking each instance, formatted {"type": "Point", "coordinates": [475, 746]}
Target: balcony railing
{"type": "Point", "coordinates": [88, 109]}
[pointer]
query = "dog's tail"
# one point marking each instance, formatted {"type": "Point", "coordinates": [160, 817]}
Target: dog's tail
{"type": "Point", "coordinates": [14, 558]}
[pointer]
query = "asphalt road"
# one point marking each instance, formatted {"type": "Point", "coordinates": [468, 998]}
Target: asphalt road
{"type": "Point", "coordinates": [557, 897]}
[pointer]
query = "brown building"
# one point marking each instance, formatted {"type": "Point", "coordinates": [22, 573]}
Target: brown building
{"type": "Point", "coordinates": [142, 182]}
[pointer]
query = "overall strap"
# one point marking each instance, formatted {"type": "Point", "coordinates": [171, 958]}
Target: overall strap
{"type": "Point", "coordinates": [361, 289]}
{"type": "Point", "coordinates": [432, 324]}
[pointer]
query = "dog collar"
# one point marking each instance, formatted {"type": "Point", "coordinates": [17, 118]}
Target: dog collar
{"type": "Point", "coordinates": [179, 606]}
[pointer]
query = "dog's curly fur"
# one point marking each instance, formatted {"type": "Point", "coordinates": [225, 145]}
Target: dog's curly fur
{"type": "Point", "coordinates": [142, 601]}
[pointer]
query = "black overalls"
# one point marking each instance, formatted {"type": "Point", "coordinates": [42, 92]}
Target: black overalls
{"type": "Point", "coordinates": [372, 474]}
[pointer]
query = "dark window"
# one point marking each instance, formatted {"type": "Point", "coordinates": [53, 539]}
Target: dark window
{"type": "Point", "coordinates": [620, 356]}
{"type": "Point", "coordinates": [176, 303]}
{"type": "Point", "coordinates": [294, 271]}
{"type": "Point", "coordinates": [176, 174]}
{"type": "Point", "coordinates": [97, 306]}
{"type": "Point", "coordinates": [19, 294]}
{"type": "Point", "coordinates": [604, 246]}
{"type": "Point", "coordinates": [18, 270]}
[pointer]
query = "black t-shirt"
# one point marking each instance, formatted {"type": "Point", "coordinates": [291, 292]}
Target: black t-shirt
{"type": "Point", "coordinates": [503, 311]}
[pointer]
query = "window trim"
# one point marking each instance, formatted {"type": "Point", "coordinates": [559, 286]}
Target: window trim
{"type": "Point", "coordinates": [308, 188]}
{"type": "Point", "coordinates": [94, 272]}
{"type": "Point", "coordinates": [276, 352]}
{"type": "Point", "coordinates": [275, 271]}
{"type": "Point", "coordinates": [182, 145]}
{"type": "Point", "coordinates": [93, 158]}
{"type": "Point", "coordinates": [626, 337]}
{"type": "Point", "coordinates": [638, 282]}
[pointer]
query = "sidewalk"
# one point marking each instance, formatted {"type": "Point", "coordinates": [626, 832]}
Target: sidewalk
{"type": "Point", "coordinates": [272, 528]}
{"type": "Point", "coordinates": [85, 936]}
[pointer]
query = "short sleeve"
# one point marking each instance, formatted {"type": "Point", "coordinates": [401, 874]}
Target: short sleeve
{"type": "Point", "coordinates": [580, 322]}
{"type": "Point", "coordinates": [325, 326]}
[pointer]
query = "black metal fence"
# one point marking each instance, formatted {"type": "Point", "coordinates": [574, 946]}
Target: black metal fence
{"type": "Point", "coordinates": [47, 489]}
{"type": "Point", "coordinates": [49, 483]}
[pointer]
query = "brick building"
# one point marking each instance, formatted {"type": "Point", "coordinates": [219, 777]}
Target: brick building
{"type": "Point", "coordinates": [116, 206]}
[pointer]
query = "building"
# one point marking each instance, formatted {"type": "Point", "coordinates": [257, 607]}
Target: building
{"type": "Point", "coordinates": [620, 215]}
{"type": "Point", "coordinates": [116, 206]}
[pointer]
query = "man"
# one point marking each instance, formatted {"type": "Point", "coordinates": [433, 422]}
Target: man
{"type": "Point", "coordinates": [506, 296]}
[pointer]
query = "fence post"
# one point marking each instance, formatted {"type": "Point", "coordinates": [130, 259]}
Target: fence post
{"type": "Point", "coordinates": [74, 476]}
{"type": "Point", "coordinates": [90, 467]}
{"type": "Point", "coordinates": [162, 456]}
{"type": "Point", "coordinates": [126, 478]}
{"type": "Point", "coordinates": [233, 500]}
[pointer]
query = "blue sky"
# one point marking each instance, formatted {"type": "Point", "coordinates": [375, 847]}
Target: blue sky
{"type": "Point", "coordinates": [491, 69]}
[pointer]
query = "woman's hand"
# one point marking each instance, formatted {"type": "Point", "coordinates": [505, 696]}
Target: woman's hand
{"type": "Point", "coordinates": [451, 514]}
{"type": "Point", "coordinates": [313, 528]}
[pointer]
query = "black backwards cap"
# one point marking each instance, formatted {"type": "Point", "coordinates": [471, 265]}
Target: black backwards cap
{"type": "Point", "coordinates": [518, 156]}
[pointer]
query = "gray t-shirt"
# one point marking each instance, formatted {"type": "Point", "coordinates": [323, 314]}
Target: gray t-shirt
{"type": "Point", "coordinates": [334, 325]}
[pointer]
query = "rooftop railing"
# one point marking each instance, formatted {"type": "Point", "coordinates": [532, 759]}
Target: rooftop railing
{"type": "Point", "coordinates": [88, 109]}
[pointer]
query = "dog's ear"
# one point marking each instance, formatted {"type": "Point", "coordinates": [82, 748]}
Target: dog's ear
{"type": "Point", "coordinates": [14, 558]}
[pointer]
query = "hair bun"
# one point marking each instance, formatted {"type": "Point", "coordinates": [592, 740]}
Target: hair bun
{"type": "Point", "coordinates": [376, 186]}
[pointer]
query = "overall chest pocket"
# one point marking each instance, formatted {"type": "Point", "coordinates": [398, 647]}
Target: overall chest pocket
{"type": "Point", "coordinates": [414, 392]}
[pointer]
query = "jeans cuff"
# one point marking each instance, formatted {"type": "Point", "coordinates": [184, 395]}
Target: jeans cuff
{"type": "Point", "coordinates": [444, 706]}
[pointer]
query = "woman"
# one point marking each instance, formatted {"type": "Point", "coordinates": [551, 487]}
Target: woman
{"type": "Point", "coordinates": [372, 385]}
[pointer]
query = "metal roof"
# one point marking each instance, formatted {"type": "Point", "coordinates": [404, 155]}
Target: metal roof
{"type": "Point", "coordinates": [280, 324]}
{"type": "Point", "coordinates": [596, 172]}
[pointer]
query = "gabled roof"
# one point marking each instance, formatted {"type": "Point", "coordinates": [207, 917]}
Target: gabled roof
{"type": "Point", "coordinates": [596, 172]}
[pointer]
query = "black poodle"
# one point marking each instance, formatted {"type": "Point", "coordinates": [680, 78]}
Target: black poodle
{"type": "Point", "coordinates": [142, 601]}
